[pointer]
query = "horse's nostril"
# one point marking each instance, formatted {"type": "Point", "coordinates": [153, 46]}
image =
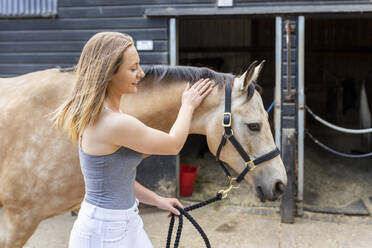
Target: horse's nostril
{"type": "Point", "coordinates": [279, 189]}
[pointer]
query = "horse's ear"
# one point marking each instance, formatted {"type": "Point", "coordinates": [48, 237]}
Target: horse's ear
{"type": "Point", "coordinates": [250, 75]}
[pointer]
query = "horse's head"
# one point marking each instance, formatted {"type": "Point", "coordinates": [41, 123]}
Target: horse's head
{"type": "Point", "coordinates": [252, 130]}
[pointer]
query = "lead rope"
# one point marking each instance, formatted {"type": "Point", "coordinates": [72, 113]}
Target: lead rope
{"type": "Point", "coordinates": [222, 194]}
{"type": "Point", "coordinates": [184, 212]}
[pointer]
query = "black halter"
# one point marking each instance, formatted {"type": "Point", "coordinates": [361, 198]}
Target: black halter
{"type": "Point", "coordinates": [229, 135]}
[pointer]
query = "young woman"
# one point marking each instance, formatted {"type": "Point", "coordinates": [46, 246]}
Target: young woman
{"type": "Point", "coordinates": [111, 143]}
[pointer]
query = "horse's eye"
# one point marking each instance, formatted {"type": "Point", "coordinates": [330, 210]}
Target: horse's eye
{"type": "Point", "coordinates": [254, 126]}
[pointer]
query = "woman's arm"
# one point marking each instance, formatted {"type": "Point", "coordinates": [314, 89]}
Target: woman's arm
{"type": "Point", "coordinates": [149, 197]}
{"type": "Point", "coordinates": [145, 195]}
{"type": "Point", "coordinates": [127, 131]}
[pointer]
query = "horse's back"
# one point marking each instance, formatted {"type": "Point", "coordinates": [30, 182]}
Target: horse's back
{"type": "Point", "coordinates": [26, 100]}
{"type": "Point", "coordinates": [20, 89]}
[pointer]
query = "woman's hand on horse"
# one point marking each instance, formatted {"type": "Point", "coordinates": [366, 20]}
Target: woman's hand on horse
{"type": "Point", "coordinates": [194, 94]}
{"type": "Point", "coordinates": [169, 204]}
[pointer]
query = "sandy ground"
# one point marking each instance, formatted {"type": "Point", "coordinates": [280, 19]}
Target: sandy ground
{"type": "Point", "coordinates": [233, 226]}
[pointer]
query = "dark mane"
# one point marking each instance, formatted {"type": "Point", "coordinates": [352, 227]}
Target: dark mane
{"type": "Point", "coordinates": [185, 73]}
{"type": "Point", "coordinates": [192, 75]}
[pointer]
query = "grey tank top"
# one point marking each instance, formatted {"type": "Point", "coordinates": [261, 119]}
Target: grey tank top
{"type": "Point", "coordinates": [109, 179]}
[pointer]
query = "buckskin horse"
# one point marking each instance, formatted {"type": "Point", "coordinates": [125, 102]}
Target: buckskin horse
{"type": "Point", "coordinates": [40, 176]}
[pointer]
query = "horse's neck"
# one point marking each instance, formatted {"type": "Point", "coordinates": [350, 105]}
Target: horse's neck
{"type": "Point", "coordinates": [158, 105]}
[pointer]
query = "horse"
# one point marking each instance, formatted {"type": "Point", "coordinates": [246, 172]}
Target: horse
{"type": "Point", "coordinates": [40, 175]}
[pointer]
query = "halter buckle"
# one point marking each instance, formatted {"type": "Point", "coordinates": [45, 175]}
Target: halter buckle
{"type": "Point", "coordinates": [250, 164]}
{"type": "Point", "coordinates": [231, 186]}
{"type": "Point", "coordinates": [226, 114]}
{"type": "Point", "coordinates": [231, 182]}
{"type": "Point", "coordinates": [227, 136]}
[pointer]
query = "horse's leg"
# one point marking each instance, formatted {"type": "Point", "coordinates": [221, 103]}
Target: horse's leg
{"type": "Point", "coordinates": [16, 227]}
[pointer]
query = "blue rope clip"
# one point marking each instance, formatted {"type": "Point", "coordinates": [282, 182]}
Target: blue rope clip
{"type": "Point", "coordinates": [271, 106]}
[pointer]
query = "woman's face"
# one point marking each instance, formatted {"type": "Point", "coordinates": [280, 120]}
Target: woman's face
{"type": "Point", "coordinates": [125, 80]}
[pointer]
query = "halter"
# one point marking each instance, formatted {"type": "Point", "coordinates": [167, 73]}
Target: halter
{"type": "Point", "coordinates": [228, 134]}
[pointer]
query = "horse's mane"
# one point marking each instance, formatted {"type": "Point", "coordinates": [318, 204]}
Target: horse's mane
{"type": "Point", "coordinates": [185, 73]}
{"type": "Point", "coordinates": [191, 74]}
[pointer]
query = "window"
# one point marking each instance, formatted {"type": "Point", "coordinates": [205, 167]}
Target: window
{"type": "Point", "coordinates": [28, 8]}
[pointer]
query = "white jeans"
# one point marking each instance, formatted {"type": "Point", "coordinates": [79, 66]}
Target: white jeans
{"type": "Point", "coordinates": [98, 227]}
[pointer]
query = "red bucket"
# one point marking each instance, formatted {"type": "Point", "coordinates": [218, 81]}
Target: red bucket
{"type": "Point", "coordinates": [187, 179]}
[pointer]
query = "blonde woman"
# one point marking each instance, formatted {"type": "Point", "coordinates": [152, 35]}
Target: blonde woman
{"type": "Point", "coordinates": [111, 143]}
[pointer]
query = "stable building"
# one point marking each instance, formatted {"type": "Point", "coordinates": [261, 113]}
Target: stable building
{"type": "Point", "coordinates": [318, 49]}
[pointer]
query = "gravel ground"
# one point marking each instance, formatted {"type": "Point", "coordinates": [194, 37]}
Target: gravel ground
{"type": "Point", "coordinates": [235, 227]}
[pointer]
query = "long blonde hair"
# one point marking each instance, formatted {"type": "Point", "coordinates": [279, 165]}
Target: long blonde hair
{"type": "Point", "coordinates": [99, 60]}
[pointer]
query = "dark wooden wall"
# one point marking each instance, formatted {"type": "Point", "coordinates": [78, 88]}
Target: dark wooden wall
{"type": "Point", "coordinates": [34, 43]}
